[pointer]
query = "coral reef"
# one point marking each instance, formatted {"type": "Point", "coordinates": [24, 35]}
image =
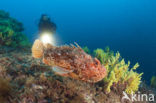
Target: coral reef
{"type": "Point", "coordinates": [70, 61]}
{"type": "Point", "coordinates": [11, 31]}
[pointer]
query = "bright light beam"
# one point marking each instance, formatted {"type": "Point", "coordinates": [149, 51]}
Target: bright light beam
{"type": "Point", "coordinates": [47, 38]}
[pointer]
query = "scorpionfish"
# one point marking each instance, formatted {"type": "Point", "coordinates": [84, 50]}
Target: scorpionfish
{"type": "Point", "coordinates": [70, 61]}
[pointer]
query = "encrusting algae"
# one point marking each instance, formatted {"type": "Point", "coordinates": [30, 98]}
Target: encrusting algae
{"type": "Point", "coordinates": [5, 89]}
{"type": "Point", "coordinates": [70, 61]}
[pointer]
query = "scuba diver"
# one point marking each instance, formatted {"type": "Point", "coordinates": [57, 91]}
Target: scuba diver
{"type": "Point", "coordinates": [46, 25]}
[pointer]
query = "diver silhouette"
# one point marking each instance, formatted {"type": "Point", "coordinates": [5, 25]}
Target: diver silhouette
{"type": "Point", "coordinates": [46, 25]}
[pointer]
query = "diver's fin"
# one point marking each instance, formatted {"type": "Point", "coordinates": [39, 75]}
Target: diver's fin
{"type": "Point", "coordinates": [61, 71]}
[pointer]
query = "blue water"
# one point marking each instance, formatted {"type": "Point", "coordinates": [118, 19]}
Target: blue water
{"type": "Point", "coordinates": [127, 26]}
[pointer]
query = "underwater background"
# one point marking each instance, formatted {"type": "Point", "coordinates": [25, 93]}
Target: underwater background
{"type": "Point", "coordinates": [77, 51]}
{"type": "Point", "coordinates": [127, 26]}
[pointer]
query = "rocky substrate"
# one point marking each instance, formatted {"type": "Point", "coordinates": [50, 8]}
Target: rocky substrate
{"type": "Point", "coordinates": [24, 79]}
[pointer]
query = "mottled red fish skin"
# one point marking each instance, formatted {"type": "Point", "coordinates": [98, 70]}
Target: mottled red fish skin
{"type": "Point", "coordinates": [73, 58]}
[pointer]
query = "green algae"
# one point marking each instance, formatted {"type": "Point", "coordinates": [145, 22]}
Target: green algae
{"type": "Point", "coordinates": [11, 32]}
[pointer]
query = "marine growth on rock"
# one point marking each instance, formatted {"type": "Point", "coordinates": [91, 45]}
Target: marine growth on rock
{"type": "Point", "coordinates": [11, 32]}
